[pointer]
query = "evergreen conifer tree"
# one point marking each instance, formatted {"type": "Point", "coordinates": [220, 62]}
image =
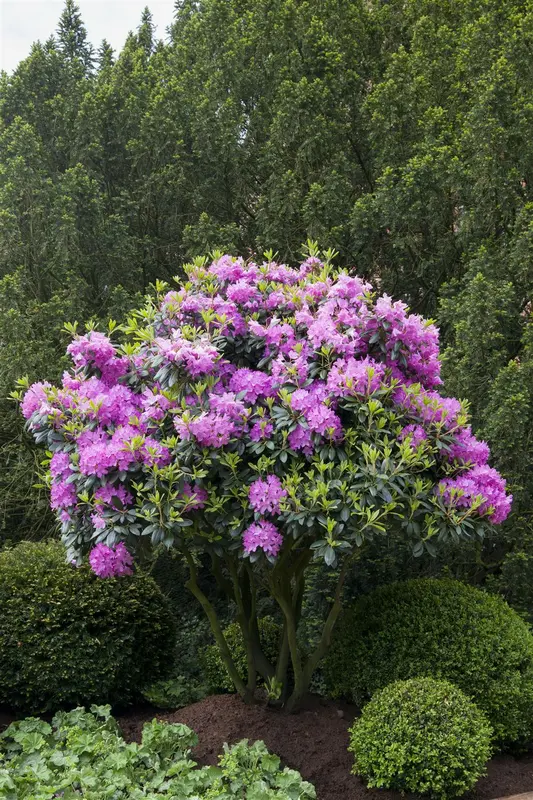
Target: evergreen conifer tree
{"type": "Point", "coordinates": [72, 36]}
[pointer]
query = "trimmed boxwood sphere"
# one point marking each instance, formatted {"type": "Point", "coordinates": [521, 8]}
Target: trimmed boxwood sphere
{"type": "Point", "coordinates": [423, 736]}
{"type": "Point", "coordinates": [441, 629]}
{"type": "Point", "coordinates": [69, 638]}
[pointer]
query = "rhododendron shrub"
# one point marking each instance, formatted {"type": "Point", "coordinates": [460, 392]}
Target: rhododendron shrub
{"type": "Point", "coordinates": [267, 416]}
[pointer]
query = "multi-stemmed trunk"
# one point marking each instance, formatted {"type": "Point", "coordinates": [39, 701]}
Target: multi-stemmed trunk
{"type": "Point", "coordinates": [285, 582]}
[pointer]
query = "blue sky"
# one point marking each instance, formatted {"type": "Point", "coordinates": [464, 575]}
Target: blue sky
{"type": "Point", "coordinates": [23, 22]}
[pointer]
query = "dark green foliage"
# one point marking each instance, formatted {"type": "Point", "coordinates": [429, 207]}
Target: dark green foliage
{"type": "Point", "coordinates": [68, 637]}
{"type": "Point", "coordinates": [422, 736]}
{"type": "Point", "coordinates": [514, 579]}
{"type": "Point", "coordinates": [439, 629]}
{"type": "Point", "coordinates": [30, 338]}
{"type": "Point", "coordinates": [215, 672]}
{"type": "Point", "coordinates": [379, 563]}
{"type": "Point", "coordinates": [187, 682]}
{"type": "Point", "coordinates": [389, 560]}
{"type": "Point", "coordinates": [170, 572]}
{"type": "Point", "coordinates": [176, 692]}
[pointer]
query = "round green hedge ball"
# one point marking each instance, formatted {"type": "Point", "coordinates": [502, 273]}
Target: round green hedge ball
{"type": "Point", "coordinates": [440, 629]}
{"type": "Point", "coordinates": [422, 736]}
{"type": "Point", "coordinates": [68, 638]}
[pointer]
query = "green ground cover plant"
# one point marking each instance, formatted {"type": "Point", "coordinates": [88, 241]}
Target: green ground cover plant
{"type": "Point", "coordinates": [83, 754]}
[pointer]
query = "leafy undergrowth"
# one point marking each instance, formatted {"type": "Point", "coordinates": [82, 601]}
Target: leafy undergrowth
{"type": "Point", "coordinates": [176, 692]}
{"type": "Point", "coordinates": [82, 754]}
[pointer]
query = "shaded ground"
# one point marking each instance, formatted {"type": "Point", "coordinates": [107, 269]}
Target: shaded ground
{"type": "Point", "coordinates": [313, 741]}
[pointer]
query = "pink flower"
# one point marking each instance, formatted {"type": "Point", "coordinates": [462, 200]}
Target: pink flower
{"type": "Point", "coordinates": [262, 534]}
{"type": "Point", "coordinates": [228, 269]}
{"type": "Point", "coordinates": [252, 383]}
{"type": "Point", "coordinates": [242, 293]}
{"type": "Point", "coordinates": [415, 433]}
{"type": "Point", "coordinates": [213, 430]}
{"type": "Point", "coordinates": [480, 481]}
{"type": "Point", "coordinates": [351, 376]}
{"type": "Point", "coordinates": [322, 419]}
{"type": "Point", "coordinates": [428, 407]}
{"type": "Point", "coordinates": [467, 449]}
{"type": "Point", "coordinates": [95, 350]}
{"type": "Point", "coordinates": [306, 400]}
{"type": "Point", "coordinates": [62, 495]}
{"type": "Point", "coordinates": [60, 465]}
{"type": "Point", "coordinates": [311, 264]}
{"type": "Point", "coordinates": [96, 457]}
{"type": "Point", "coordinates": [265, 496]}
{"type": "Point", "coordinates": [110, 498]}
{"type": "Point", "coordinates": [195, 496]}
{"type": "Point", "coordinates": [196, 358]}
{"type": "Point", "coordinates": [300, 439]}
{"type": "Point", "coordinates": [109, 562]}
{"type": "Point", "coordinates": [155, 406]}
{"type": "Point", "coordinates": [34, 398]}
{"type": "Point", "coordinates": [228, 405]}
{"type": "Point", "coordinates": [281, 273]}
{"type": "Point", "coordinates": [98, 522]}
{"type": "Point", "coordinates": [349, 287]}
{"type": "Point", "coordinates": [261, 430]}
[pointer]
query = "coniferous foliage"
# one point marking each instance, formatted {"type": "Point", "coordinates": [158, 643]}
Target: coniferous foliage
{"type": "Point", "coordinates": [72, 36]}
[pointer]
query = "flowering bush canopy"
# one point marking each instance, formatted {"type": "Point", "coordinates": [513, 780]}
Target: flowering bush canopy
{"type": "Point", "coordinates": [259, 412]}
{"type": "Point", "coordinates": [259, 403]}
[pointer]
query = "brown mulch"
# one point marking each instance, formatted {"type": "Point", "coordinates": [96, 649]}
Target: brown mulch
{"type": "Point", "coordinates": [314, 741]}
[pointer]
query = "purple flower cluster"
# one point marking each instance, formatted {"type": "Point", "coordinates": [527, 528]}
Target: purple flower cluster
{"type": "Point", "coordinates": [111, 562]}
{"type": "Point", "coordinates": [35, 399]}
{"type": "Point", "coordinates": [250, 358]}
{"type": "Point", "coordinates": [415, 433]}
{"type": "Point", "coordinates": [265, 496]}
{"type": "Point", "coordinates": [208, 429]}
{"type": "Point", "coordinates": [96, 351]}
{"type": "Point", "coordinates": [483, 483]}
{"type": "Point", "coordinates": [194, 496]}
{"type": "Point", "coordinates": [353, 377]}
{"type": "Point", "coordinates": [109, 498]}
{"type": "Point", "coordinates": [101, 452]}
{"type": "Point", "coordinates": [262, 534]}
{"type": "Point", "coordinates": [196, 358]}
{"type": "Point", "coordinates": [467, 449]}
{"type": "Point", "coordinates": [252, 384]}
{"type": "Point", "coordinates": [63, 495]}
{"type": "Point", "coordinates": [428, 406]}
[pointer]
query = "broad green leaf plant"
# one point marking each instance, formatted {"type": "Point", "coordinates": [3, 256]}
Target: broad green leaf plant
{"type": "Point", "coordinates": [83, 754]}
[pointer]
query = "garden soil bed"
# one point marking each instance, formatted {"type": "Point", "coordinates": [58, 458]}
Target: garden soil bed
{"type": "Point", "coordinates": [314, 741]}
